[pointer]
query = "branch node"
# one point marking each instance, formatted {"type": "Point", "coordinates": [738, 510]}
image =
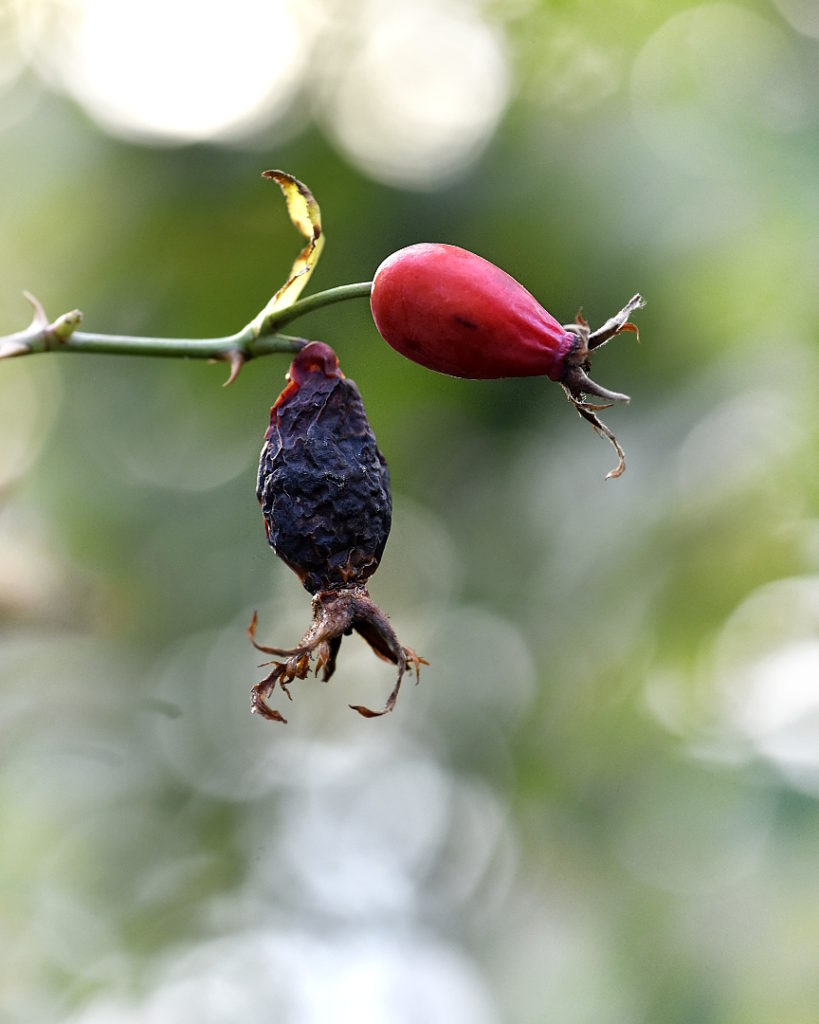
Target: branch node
{"type": "Point", "coordinates": [41, 331]}
{"type": "Point", "coordinates": [65, 325]}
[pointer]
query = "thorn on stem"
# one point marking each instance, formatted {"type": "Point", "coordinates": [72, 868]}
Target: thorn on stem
{"type": "Point", "coordinates": [40, 319]}
{"type": "Point", "coordinates": [237, 360]}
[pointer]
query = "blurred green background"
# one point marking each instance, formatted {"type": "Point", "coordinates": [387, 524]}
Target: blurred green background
{"type": "Point", "coordinates": [600, 803]}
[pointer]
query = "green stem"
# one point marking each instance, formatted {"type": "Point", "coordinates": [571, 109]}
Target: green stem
{"type": "Point", "coordinates": [326, 298]}
{"type": "Point", "coordinates": [178, 348]}
{"type": "Point", "coordinates": [62, 335]}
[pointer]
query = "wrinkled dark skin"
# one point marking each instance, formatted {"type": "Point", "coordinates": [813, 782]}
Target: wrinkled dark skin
{"type": "Point", "coordinates": [323, 485]}
{"type": "Point", "coordinates": [324, 488]}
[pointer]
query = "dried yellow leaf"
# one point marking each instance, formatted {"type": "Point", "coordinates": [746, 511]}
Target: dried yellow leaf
{"type": "Point", "coordinates": [306, 217]}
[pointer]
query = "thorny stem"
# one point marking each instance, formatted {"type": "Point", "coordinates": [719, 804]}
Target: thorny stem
{"type": "Point", "coordinates": [61, 335]}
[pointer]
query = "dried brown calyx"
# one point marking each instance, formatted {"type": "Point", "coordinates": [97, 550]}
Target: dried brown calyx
{"type": "Point", "coordinates": [324, 488]}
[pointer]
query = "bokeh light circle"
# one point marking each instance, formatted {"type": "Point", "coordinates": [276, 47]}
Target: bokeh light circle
{"type": "Point", "coordinates": [29, 401]}
{"type": "Point", "coordinates": [421, 94]}
{"type": "Point", "coordinates": [803, 15]}
{"type": "Point", "coordinates": [711, 81]}
{"type": "Point", "coordinates": [172, 70]}
{"type": "Point", "coordinates": [766, 662]}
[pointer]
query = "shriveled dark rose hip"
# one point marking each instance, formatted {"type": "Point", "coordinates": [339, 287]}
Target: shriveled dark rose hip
{"type": "Point", "coordinates": [324, 489]}
{"type": "Point", "coordinates": [323, 484]}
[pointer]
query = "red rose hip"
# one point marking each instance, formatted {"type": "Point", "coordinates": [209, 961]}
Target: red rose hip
{"type": "Point", "coordinates": [456, 313]}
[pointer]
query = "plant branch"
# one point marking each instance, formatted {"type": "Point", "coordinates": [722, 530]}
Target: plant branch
{"type": "Point", "coordinates": [326, 298]}
{"type": "Point", "coordinates": [62, 335]}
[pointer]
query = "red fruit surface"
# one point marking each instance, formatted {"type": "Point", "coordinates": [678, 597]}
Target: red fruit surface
{"type": "Point", "coordinates": [457, 313]}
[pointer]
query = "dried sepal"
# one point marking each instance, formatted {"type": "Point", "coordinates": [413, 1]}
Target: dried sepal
{"type": "Point", "coordinates": [588, 412]}
{"type": "Point", "coordinates": [576, 381]}
{"type": "Point", "coordinates": [617, 324]}
{"type": "Point", "coordinates": [336, 614]}
{"type": "Point", "coordinates": [306, 217]}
